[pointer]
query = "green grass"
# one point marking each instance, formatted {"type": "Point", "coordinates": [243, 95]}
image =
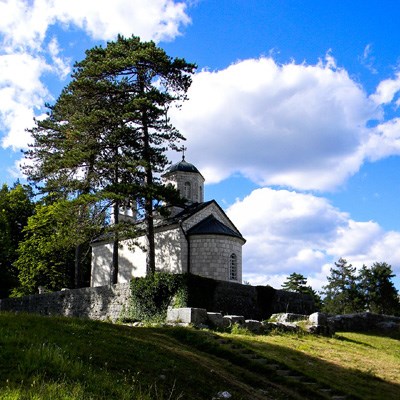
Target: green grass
{"type": "Point", "coordinates": [359, 365]}
{"type": "Point", "coordinates": [66, 358]}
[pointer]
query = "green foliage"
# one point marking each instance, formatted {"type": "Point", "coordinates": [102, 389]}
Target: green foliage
{"type": "Point", "coordinates": [16, 207]}
{"type": "Point", "coordinates": [370, 290]}
{"type": "Point", "coordinates": [47, 253]}
{"type": "Point", "coordinates": [109, 130]}
{"type": "Point", "coordinates": [237, 329]}
{"type": "Point", "coordinates": [342, 295]}
{"type": "Point", "coordinates": [295, 283]}
{"type": "Point", "coordinates": [152, 295]}
{"type": "Point", "coordinates": [377, 290]}
{"type": "Point", "coordinates": [298, 283]}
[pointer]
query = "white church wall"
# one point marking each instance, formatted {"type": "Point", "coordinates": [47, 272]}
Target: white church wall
{"type": "Point", "coordinates": [171, 251]}
{"type": "Point", "coordinates": [171, 256]}
{"type": "Point", "coordinates": [210, 256]}
{"type": "Point", "coordinates": [131, 262]}
{"type": "Point", "coordinates": [101, 263]}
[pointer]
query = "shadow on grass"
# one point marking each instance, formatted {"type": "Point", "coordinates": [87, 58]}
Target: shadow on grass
{"type": "Point", "coordinates": [105, 361]}
{"type": "Point", "coordinates": [310, 371]}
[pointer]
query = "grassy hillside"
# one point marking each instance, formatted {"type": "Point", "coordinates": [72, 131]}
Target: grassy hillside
{"type": "Point", "coordinates": [65, 358]}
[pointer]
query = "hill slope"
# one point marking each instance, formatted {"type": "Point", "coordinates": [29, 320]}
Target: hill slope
{"type": "Point", "coordinates": [66, 358]}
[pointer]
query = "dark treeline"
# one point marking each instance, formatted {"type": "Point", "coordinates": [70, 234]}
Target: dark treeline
{"type": "Point", "coordinates": [350, 291]}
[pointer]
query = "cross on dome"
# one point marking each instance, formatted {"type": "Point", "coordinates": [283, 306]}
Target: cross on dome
{"type": "Point", "coordinates": [183, 149]}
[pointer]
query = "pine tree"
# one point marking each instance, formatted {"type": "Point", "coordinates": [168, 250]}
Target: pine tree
{"type": "Point", "coordinates": [295, 283]}
{"type": "Point", "coordinates": [378, 291]}
{"type": "Point", "coordinates": [298, 283]}
{"type": "Point", "coordinates": [108, 133]}
{"type": "Point", "coordinates": [342, 294]}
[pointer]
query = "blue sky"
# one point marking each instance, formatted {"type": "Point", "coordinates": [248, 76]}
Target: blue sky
{"type": "Point", "coordinates": [292, 117]}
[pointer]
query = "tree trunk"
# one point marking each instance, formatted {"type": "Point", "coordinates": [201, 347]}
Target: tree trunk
{"type": "Point", "coordinates": [150, 256]}
{"type": "Point", "coordinates": [148, 207]}
{"type": "Point", "coordinates": [115, 262]}
{"type": "Point", "coordinates": [77, 277]}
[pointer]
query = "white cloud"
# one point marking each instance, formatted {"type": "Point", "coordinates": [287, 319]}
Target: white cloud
{"type": "Point", "coordinates": [302, 126]}
{"type": "Point", "coordinates": [386, 90]}
{"type": "Point", "coordinates": [103, 19]}
{"type": "Point", "coordinates": [24, 26]}
{"type": "Point", "coordinates": [24, 23]}
{"type": "Point", "coordinates": [21, 93]}
{"type": "Point", "coordinates": [384, 140]}
{"type": "Point", "coordinates": [61, 66]}
{"type": "Point", "coordinates": [291, 232]}
{"type": "Point", "coordinates": [368, 60]}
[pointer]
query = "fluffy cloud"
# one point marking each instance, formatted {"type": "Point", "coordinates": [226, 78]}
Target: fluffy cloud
{"type": "Point", "coordinates": [303, 126]}
{"type": "Point", "coordinates": [104, 19]}
{"type": "Point", "coordinates": [386, 90]}
{"type": "Point", "coordinates": [292, 232]}
{"type": "Point", "coordinates": [25, 23]}
{"type": "Point", "coordinates": [24, 28]}
{"type": "Point", "coordinates": [21, 92]}
{"type": "Point", "coordinates": [384, 140]}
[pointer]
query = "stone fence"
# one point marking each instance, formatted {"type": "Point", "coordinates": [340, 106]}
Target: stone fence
{"type": "Point", "coordinates": [101, 303]}
{"type": "Point", "coordinates": [109, 302]}
{"type": "Point", "coordinates": [255, 302]}
{"type": "Point", "coordinates": [363, 322]}
{"type": "Point", "coordinates": [317, 323]}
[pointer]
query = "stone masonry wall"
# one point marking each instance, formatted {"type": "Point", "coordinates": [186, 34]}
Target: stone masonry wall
{"type": "Point", "coordinates": [253, 302]}
{"type": "Point", "coordinates": [100, 303]}
{"type": "Point", "coordinates": [210, 255]}
{"type": "Point", "coordinates": [110, 302]}
{"type": "Point", "coordinates": [196, 181]}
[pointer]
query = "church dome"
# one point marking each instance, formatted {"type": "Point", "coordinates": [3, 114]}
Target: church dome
{"type": "Point", "coordinates": [182, 166]}
{"type": "Point", "coordinates": [187, 179]}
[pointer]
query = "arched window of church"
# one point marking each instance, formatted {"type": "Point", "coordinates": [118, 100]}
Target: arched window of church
{"type": "Point", "coordinates": [188, 191]}
{"type": "Point", "coordinates": [195, 192]}
{"type": "Point", "coordinates": [233, 269]}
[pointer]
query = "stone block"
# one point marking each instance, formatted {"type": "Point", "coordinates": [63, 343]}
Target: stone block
{"type": "Point", "coordinates": [281, 326]}
{"type": "Point", "coordinates": [215, 319]}
{"type": "Point", "coordinates": [229, 320]}
{"type": "Point", "coordinates": [195, 316]}
{"type": "Point", "coordinates": [288, 317]}
{"type": "Point", "coordinates": [318, 319]}
{"type": "Point", "coordinates": [253, 325]}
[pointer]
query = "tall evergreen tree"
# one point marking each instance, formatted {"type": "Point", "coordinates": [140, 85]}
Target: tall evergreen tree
{"type": "Point", "coordinates": [108, 132]}
{"type": "Point", "coordinates": [377, 289]}
{"type": "Point", "coordinates": [342, 295]}
{"type": "Point", "coordinates": [298, 283]}
{"type": "Point", "coordinates": [295, 283]}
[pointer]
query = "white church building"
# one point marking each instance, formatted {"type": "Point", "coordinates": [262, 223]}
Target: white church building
{"type": "Point", "coordinates": [198, 238]}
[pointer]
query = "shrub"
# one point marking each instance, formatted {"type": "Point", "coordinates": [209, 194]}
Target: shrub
{"type": "Point", "coordinates": [152, 295]}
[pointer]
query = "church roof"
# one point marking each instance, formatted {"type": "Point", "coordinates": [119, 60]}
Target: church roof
{"type": "Point", "coordinates": [209, 225]}
{"type": "Point", "coordinates": [187, 212]}
{"type": "Point", "coordinates": [213, 226]}
{"type": "Point", "coordinates": [182, 166]}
